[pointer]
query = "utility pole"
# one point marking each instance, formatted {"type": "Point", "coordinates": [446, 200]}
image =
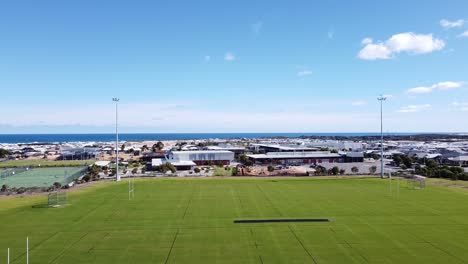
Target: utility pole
{"type": "Point", "coordinates": [116, 100]}
{"type": "Point", "coordinates": [381, 99]}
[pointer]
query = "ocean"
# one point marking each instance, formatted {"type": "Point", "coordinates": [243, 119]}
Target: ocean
{"type": "Point", "coordinates": [52, 138]}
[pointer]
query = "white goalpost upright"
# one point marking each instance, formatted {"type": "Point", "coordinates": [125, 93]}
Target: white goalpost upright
{"type": "Point", "coordinates": [131, 187]}
{"type": "Point", "coordinates": [27, 250]}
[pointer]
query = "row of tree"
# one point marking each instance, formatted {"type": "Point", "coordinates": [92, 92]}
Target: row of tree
{"type": "Point", "coordinates": [6, 190]}
{"type": "Point", "coordinates": [320, 170]}
{"type": "Point", "coordinates": [442, 171]}
{"type": "Point", "coordinates": [430, 168]}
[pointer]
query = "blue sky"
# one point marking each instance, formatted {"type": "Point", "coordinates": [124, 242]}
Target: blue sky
{"type": "Point", "coordinates": [237, 66]}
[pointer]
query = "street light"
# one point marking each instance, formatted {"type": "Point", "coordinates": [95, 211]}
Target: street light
{"type": "Point", "coordinates": [381, 99]}
{"type": "Point", "coordinates": [117, 176]}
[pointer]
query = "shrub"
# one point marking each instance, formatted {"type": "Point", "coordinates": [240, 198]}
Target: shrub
{"type": "Point", "coordinates": [320, 170]}
{"type": "Point", "coordinates": [86, 178]}
{"type": "Point", "coordinates": [4, 188]}
{"type": "Point", "coordinates": [335, 170]}
{"type": "Point", "coordinates": [271, 168]}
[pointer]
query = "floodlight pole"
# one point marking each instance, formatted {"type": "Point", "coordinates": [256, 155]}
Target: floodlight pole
{"type": "Point", "coordinates": [8, 256]}
{"type": "Point", "coordinates": [116, 100]}
{"type": "Point", "coordinates": [381, 100]}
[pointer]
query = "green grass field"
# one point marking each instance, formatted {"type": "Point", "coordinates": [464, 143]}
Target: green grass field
{"type": "Point", "coordinates": [43, 177]}
{"type": "Point", "coordinates": [191, 221]}
{"type": "Point", "coordinates": [45, 163]}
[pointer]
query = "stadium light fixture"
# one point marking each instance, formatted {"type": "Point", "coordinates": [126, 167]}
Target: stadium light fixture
{"type": "Point", "coordinates": [381, 99]}
{"type": "Point", "coordinates": [116, 100]}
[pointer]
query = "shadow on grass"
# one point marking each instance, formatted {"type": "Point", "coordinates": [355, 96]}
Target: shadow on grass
{"type": "Point", "coordinates": [48, 206]}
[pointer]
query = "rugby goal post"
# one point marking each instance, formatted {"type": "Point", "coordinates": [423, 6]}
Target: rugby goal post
{"type": "Point", "coordinates": [416, 182]}
{"type": "Point", "coordinates": [57, 199]}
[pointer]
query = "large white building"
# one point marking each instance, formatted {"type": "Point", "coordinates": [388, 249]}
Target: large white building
{"type": "Point", "coordinates": [202, 157]}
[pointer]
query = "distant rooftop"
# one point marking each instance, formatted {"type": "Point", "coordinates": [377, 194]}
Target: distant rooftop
{"type": "Point", "coordinates": [286, 155]}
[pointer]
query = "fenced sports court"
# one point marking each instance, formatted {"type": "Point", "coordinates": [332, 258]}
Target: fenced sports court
{"type": "Point", "coordinates": [40, 177]}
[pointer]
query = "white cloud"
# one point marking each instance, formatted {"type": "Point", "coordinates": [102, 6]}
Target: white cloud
{"type": "Point", "coordinates": [463, 35]}
{"type": "Point", "coordinates": [256, 28]}
{"type": "Point", "coordinates": [207, 58]}
{"type": "Point", "coordinates": [448, 85]}
{"type": "Point", "coordinates": [461, 106]}
{"type": "Point", "coordinates": [304, 73]}
{"type": "Point", "coordinates": [414, 108]}
{"type": "Point", "coordinates": [420, 90]}
{"type": "Point", "coordinates": [366, 41]}
{"type": "Point", "coordinates": [229, 56]}
{"type": "Point", "coordinates": [414, 43]}
{"type": "Point", "coordinates": [451, 24]}
{"type": "Point", "coordinates": [359, 103]}
{"type": "Point", "coordinates": [443, 86]}
{"type": "Point", "coordinates": [375, 51]}
{"type": "Point", "coordinates": [408, 42]}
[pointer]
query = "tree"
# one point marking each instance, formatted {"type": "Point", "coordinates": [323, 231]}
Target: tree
{"type": "Point", "coordinates": [158, 146]}
{"type": "Point", "coordinates": [456, 170]}
{"type": "Point", "coordinates": [271, 168]}
{"type": "Point", "coordinates": [403, 167]}
{"type": "Point", "coordinates": [144, 148]}
{"type": "Point", "coordinates": [171, 167]}
{"type": "Point", "coordinates": [320, 170]}
{"type": "Point", "coordinates": [122, 148]}
{"type": "Point", "coordinates": [397, 159]}
{"type": "Point", "coordinates": [431, 163]}
{"type": "Point", "coordinates": [3, 153]}
{"type": "Point", "coordinates": [4, 188]}
{"type": "Point", "coordinates": [93, 172]}
{"type": "Point", "coordinates": [342, 171]}
{"type": "Point", "coordinates": [135, 170]}
{"type": "Point", "coordinates": [57, 185]}
{"type": "Point", "coordinates": [197, 170]}
{"type": "Point", "coordinates": [167, 167]}
{"type": "Point", "coordinates": [372, 169]}
{"type": "Point", "coordinates": [335, 170]}
{"type": "Point", "coordinates": [86, 178]}
{"type": "Point", "coordinates": [245, 160]}
{"type": "Point", "coordinates": [354, 169]}
{"type": "Point", "coordinates": [446, 173]}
